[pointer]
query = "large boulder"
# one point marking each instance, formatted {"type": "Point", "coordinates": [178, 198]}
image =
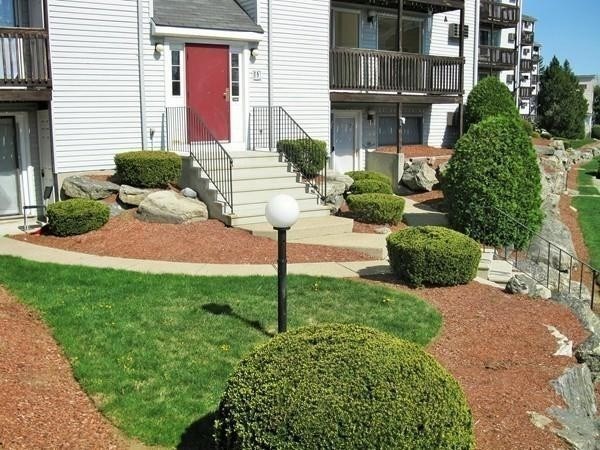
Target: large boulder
{"type": "Point", "coordinates": [555, 231]}
{"type": "Point", "coordinates": [133, 196]}
{"type": "Point", "coordinates": [557, 145]}
{"type": "Point", "coordinates": [170, 207]}
{"type": "Point", "coordinates": [337, 185]}
{"type": "Point", "coordinates": [86, 187]}
{"type": "Point", "coordinates": [419, 176]}
{"type": "Point", "coordinates": [589, 353]}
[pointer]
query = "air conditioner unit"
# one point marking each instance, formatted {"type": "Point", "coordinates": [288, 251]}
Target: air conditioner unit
{"type": "Point", "coordinates": [454, 31]}
{"type": "Point", "coordinates": [511, 37]}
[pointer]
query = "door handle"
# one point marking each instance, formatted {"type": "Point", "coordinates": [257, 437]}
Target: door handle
{"type": "Point", "coordinates": [226, 95]}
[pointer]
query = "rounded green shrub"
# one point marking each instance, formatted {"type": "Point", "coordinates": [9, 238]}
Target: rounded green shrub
{"type": "Point", "coordinates": [490, 97]}
{"type": "Point", "coordinates": [527, 126]}
{"type": "Point", "coordinates": [77, 216]}
{"type": "Point", "coordinates": [358, 175]}
{"type": "Point", "coordinates": [342, 387]}
{"type": "Point", "coordinates": [371, 186]}
{"type": "Point", "coordinates": [309, 156]}
{"type": "Point", "coordinates": [148, 169]}
{"type": "Point", "coordinates": [492, 180]}
{"type": "Point", "coordinates": [596, 131]}
{"type": "Point", "coordinates": [435, 256]}
{"type": "Point", "coordinates": [376, 208]}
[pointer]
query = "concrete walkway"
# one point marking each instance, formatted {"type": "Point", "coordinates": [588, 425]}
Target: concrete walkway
{"type": "Point", "coordinates": [39, 253]}
{"type": "Point", "coordinates": [419, 215]}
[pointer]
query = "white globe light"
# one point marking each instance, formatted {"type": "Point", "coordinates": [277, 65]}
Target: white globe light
{"type": "Point", "coordinates": [282, 211]}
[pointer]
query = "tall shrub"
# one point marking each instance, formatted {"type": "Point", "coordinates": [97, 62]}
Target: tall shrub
{"type": "Point", "coordinates": [494, 173]}
{"type": "Point", "coordinates": [561, 105]}
{"type": "Point", "coordinates": [490, 97]}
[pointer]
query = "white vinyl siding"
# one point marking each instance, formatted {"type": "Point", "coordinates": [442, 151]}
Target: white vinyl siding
{"type": "Point", "coordinates": [96, 97]}
{"type": "Point", "coordinates": [439, 134]}
{"type": "Point", "coordinates": [300, 63]}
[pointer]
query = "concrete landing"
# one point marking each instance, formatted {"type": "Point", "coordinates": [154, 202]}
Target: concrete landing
{"type": "Point", "coordinates": [372, 244]}
{"type": "Point", "coordinates": [305, 228]}
{"type": "Point", "coordinates": [420, 215]}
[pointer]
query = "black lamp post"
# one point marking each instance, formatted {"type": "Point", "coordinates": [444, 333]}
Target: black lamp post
{"type": "Point", "coordinates": [282, 212]}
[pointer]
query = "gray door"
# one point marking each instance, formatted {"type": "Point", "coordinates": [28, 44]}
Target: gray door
{"type": "Point", "coordinates": [9, 168]}
{"type": "Point", "coordinates": [412, 131]}
{"type": "Point", "coordinates": [344, 143]}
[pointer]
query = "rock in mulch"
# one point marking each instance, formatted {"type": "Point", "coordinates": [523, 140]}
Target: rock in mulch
{"type": "Point", "coordinates": [86, 187]}
{"type": "Point", "coordinates": [170, 207]}
{"type": "Point", "coordinates": [189, 193]}
{"type": "Point", "coordinates": [419, 176]}
{"type": "Point", "coordinates": [589, 353]}
{"type": "Point", "coordinates": [337, 185]}
{"type": "Point", "coordinates": [133, 196]}
{"type": "Point", "coordinates": [520, 284]}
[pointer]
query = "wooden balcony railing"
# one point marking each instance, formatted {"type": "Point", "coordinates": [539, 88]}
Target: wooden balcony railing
{"type": "Point", "coordinates": [527, 38]}
{"type": "Point", "coordinates": [377, 70]}
{"type": "Point", "coordinates": [526, 65]}
{"type": "Point", "coordinates": [526, 92]}
{"type": "Point", "coordinates": [497, 56]}
{"type": "Point", "coordinates": [24, 57]}
{"type": "Point", "coordinates": [499, 13]}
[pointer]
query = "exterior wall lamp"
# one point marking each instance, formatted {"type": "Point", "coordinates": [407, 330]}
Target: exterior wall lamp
{"type": "Point", "coordinates": [371, 15]}
{"type": "Point", "coordinates": [282, 213]}
{"type": "Point", "coordinates": [371, 116]}
{"type": "Point", "coordinates": [159, 48]}
{"type": "Point", "coordinates": [254, 52]}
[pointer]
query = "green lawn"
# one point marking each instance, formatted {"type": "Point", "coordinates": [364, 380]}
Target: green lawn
{"type": "Point", "coordinates": [589, 210]}
{"type": "Point", "coordinates": [154, 351]}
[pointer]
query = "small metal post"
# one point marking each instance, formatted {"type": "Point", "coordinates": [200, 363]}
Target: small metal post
{"type": "Point", "coordinates": [281, 280]}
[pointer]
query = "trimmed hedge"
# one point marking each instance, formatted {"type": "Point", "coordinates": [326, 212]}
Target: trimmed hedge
{"type": "Point", "coordinates": [435, 256]}
{"type": "Point", "coordinates": [77, 216]}
{"type": "Point", "coordinates": [308, 155]}
{"type": "Point", "coordinates": [371, 186]}
{"type": "Point", "coordinates": [342, 387]}
{"type": "Point", "coordinates": [358, 175]}
{"type": "Point", "coordinates": [596, 131]}
{"type": "Point", "coordinates": [377, 208]}
{"type": "Point", "coordinates": [148, 169]}
{"type": "Point", "coordinates": [490, 97]}
{"type": "Point", "coordinates": [493, 177]}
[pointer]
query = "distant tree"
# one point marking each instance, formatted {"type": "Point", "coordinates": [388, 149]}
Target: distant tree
{"type": "Point", "coordinates": [562, 106]}
{"type": "Point", "coordinates": [596, 105]}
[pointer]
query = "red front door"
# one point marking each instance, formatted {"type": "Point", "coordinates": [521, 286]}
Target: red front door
{"type": "Point", "coordinates": [207, 81]}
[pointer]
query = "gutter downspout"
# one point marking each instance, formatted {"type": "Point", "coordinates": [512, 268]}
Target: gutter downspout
{"type": "Point", "coordinates": [269, 70]}
{"type": "Point", "coordinates": [142, 78]}
{"type": "Point", "coordinates": [476, 45]}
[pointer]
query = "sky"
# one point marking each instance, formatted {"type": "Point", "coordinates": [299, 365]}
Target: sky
{"type": "Point", "coordinates": [568, 29]}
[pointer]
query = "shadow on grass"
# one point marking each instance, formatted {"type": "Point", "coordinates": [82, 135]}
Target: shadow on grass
{"type": "Point", "coordinates": [226, 310]}
{"type": "Point", "coordinates": [199, 435]}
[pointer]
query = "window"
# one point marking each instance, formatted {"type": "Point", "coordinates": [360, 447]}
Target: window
{"type": "Point", "coordinates": [235, 77]}
{"type": "Point", "coordinates": [345, 29]}
{"type": "Point", "coordinates": [412, 34]}
{"type": "Point", "coordinates": [175, 73]}
{"type": "Point", "coordinates": [7, 13]}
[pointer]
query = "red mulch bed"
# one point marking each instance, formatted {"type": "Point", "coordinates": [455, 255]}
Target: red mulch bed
{"type": "Point", "coordinates": [42, 406]}
{"type": "Point", "coordinates": [207, 242]}
{"type": "Point", "coordinates": [499, 349]}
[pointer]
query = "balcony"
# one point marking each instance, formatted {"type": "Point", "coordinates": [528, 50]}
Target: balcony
{"type": "Point", "coordinates": [499, 14]}
{"type": "Point", "coordinates": [497, 57]}
{"type": "Point", "coordinates": [526, 92]}
{"type": "Point", "coordinates": [24, 63]}
{"type": "Point", "coordinates": [354, 69]}
{"type": "Point", "coordinates": [527, 38]}
{"type": "Point", "coordinates": [526, 65]}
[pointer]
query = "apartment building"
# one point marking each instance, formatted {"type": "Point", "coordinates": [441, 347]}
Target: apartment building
{"type": "Point", "coordinates": [529, 70]}
{"type": "Point", "coordinates": [588, 83]}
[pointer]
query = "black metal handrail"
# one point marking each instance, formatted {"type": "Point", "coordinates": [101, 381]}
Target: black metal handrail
{"type": "Point", "coordinates": [282, 133]}
{"type": "Point", "coordinates": [187, 133]}
{"type": "Point", "coordinates": [553, 252]}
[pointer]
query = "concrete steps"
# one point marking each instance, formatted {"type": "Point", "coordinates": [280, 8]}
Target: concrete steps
{"type": "Point", "coordinates": [256, 178]}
